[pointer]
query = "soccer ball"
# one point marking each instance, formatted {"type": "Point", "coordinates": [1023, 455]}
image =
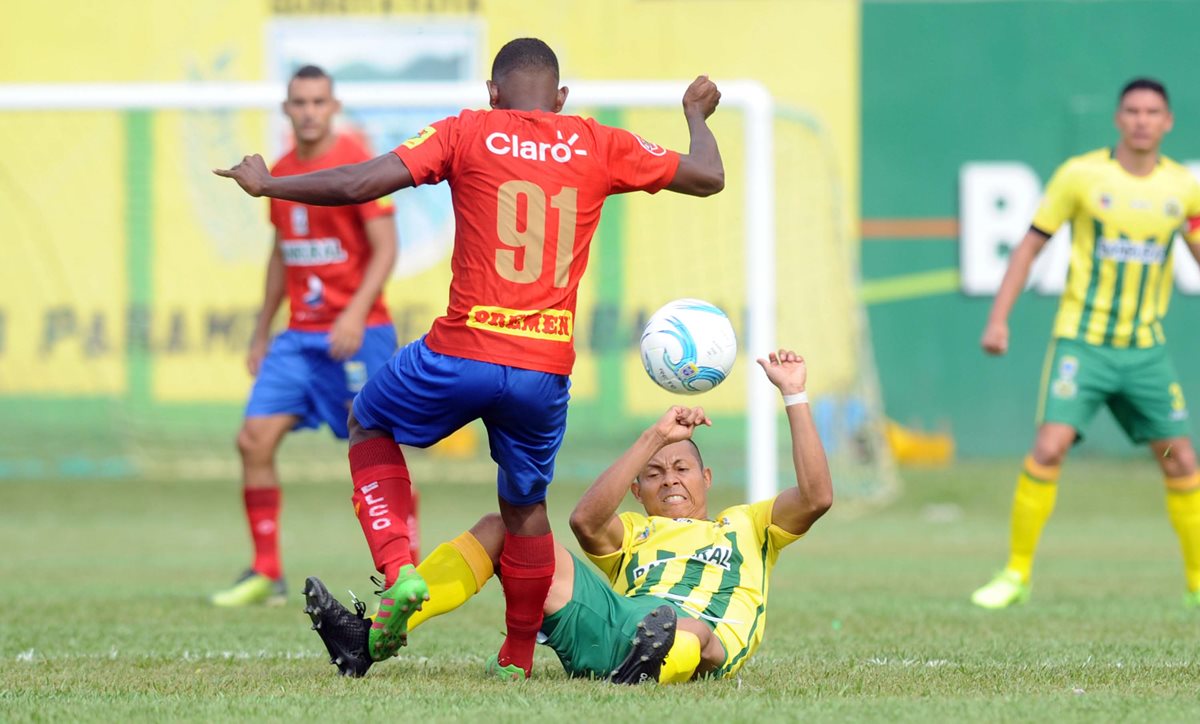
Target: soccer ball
{"type": "Point", "coordinates": [688, 346]}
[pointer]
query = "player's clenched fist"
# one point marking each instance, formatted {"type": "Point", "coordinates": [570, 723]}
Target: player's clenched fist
{"type": "Point", "coordinates": [251, 174]}
{"type": "Point", "coordinates": [995, 338]}
{"type": "Point", "coordinates": [678, 422]}
{"type": "Point", "coordinates": [701, 97]}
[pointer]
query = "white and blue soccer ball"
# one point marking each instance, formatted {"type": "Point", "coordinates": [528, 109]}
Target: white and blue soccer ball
{"type": "Point", "coordinates": [688, 346]}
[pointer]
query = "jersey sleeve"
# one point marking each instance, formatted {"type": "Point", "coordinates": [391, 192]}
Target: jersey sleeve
{"type": "Point", "coordinates": [635, 164]}
{"type": "Point", "coordinates": [1060, 200]}
{"type": "Point", "coordinates": [429, 155]}
{"type": "Point", "coordinates": [374, 209]}
{"type": "Point", "coordinates": [610, 564]}
{"type": "Point", "coordinates": [777, 537]}
{"type": "Point", "coordinates": [1191, 211]}
{"type": "Point", "coordinates": [276, 213]}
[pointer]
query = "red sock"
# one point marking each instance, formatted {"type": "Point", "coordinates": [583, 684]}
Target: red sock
{"type": "Point", "coordinates": [414, 527]}
{"type": "Point", "coordinates": [526, 569]}
{"type": "Point", "coordinates": [262, 512]}
{"type": "Point", "coordinates": [383, 502]}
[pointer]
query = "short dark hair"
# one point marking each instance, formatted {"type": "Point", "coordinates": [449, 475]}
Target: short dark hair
{"type": "Point", "coordinates": [696, 449]}
{"type": "Point", "coordinates": [524, 53]}
{"type": "Point", "coordinates": [311, 71]}
{"type": "Point", "coordinates": [1143, 83]}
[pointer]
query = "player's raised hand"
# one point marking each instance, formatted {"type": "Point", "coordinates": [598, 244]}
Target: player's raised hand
{"type": "Point", "coordinates": [995, 338]}
{"type": "Point", "coordinates": [701, 97]}
{"type": "Point", "coordinates": [251, 174]}
{"type": "Point", "coordinates": [678, 422]}
{"type": "Point", "coordinates": [786, 370]}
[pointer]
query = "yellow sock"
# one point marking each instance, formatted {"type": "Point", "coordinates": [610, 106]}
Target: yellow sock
{"type": "Point", "coordinates": [454, 571]}
{"type": "Point", "coordinates": [1033, 503]}
{"type": "Point", "coordinates": [1183, 508]}
{"type": "Point", "coordinates": [682, 659]}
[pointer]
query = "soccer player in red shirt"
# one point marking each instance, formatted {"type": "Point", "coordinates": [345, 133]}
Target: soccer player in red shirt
{"type": "Point", "coordinates": [331, 262]}
{"type": "Point", "coordinates": [527, 185]}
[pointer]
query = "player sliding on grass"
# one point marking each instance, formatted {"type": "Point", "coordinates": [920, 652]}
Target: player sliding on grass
{"type": "Point", "coordinates": [527, 186]}
{"type": "Point", "coordinates": [1125, 206]}
{"type": "Point", "coordinates": [673, 561]}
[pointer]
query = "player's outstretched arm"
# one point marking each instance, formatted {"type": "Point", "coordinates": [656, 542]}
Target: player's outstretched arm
{"type": "Point", "coordinates": [796, 509]}
{"type": "Point", "coordinates": [354, 183]}
{"type": "Point", "coordinates": [995, 332]}
{"type": "Point", "coordinates": [594, 520]}
{"type": "Point", "coordinates": [700, 172]}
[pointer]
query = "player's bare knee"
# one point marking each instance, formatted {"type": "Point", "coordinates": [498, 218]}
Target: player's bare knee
{"type": "Point", "coordinates": [1051, 447]}
{"type": "Point", "coordinates": [253, 445]}
{"type": "Point", "coordinates": [1177, 458]}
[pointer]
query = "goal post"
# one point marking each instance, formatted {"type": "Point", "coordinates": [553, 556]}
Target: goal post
{"type": "Point", "coordinates": [757, 181]}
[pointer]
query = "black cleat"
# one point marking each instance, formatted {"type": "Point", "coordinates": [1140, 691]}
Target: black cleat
{"type": "Point", "coordinates": [654, 638]}
{"type": "Point", "coordinates": [343, 633]}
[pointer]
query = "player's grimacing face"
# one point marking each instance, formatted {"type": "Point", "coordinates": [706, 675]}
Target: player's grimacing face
{"type": "Point", "coordinates": [1143, 118]}
{"type": "Point", "coordinates": [673, 484]}
{"type": "Point", "coordinates": [310, 106]}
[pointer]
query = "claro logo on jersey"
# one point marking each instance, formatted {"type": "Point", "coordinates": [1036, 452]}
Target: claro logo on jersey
{"type": "Point", "coordinates": [502, 144]}
{"type": "Point", "coordinates": [555, 325]}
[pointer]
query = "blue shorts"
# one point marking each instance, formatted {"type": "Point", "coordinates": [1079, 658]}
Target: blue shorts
{"type": "Point", "coordinates": [423, 396]}
{"type": "Point", "coordinates": [298, 377]}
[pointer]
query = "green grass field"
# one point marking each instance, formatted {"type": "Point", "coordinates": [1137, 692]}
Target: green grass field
{"type": "Point", "coordinates": [103, 586]}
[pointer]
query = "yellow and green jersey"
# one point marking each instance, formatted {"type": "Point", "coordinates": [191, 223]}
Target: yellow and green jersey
{"type": "Point", "coordinates": [715, 570]}
{"type": "Point", "coordinates": [1122, 226]}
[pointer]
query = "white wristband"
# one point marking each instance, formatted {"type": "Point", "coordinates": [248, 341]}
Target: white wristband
{"type": "Point", "coordinates": [800, 398]}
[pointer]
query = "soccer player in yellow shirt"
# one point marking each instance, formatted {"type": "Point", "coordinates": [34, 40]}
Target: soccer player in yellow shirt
{"type": "Point", "coordinates": [682, 593]}
{"type": "Point", "coordinates": [1125, 206]}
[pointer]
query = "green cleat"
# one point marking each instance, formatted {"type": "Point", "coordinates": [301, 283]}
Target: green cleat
{"type": "Point", "coordinates": [1191, 599]}
{"type": "Point", "coordinates": [1005, 590]}
{"type": "Point", "coordinates": [512, 672]}
{"type": "Point", "coordinates": [251, 589]}
{"type": "Point", "coordinates": [389, 627]}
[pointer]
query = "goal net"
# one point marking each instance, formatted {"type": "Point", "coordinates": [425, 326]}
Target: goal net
{"type": "Point", "coordinates": [134, 276]}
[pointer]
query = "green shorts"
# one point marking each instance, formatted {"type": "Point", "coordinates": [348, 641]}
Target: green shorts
{"type": "Point", "coordinates": [1140, 386]}
{"type": "Point", "coordinates": [592, 634]}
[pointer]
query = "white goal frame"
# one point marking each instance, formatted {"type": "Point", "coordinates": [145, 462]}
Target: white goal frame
{"type": "Point", "coordinates": [758, 187]}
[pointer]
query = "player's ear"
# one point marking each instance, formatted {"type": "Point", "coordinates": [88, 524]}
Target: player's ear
{"type": "Point", "coordinates": [560, 99]}
{"type": "Point", "coordinates": [707, 478]}
{"type": "Point", "coordinates": [636, 488]}
{"type": "Point", "coordinates": [493, 94]}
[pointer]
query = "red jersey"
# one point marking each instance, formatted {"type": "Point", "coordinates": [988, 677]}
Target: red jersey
{"type": "Point", "coordinates": [325, 248]}
{"type": "Point", "coordinates": [527, 189]}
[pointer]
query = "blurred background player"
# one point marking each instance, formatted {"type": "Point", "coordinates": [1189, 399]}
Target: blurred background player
{"type": "Point", "coordinates": [527, 186]}
{"type": "Point", "coordinates": [1125, 205]}
{"type": "Point", "coordinates": [674, 561]}
{"type": "Point", "coordinates": [332, 263]}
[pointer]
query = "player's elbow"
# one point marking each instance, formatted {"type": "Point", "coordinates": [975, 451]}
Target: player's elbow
{"type": "Point", "coordinates": [819, 501]}
{"type": "Point", "coordinates": [585, 527]}
{"type": "Point", "coordinates": [359, 190]}
{"type": "Point", "coordinates": [711, 183]}
{"type": "Point", "coordinates": [822, 503]}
